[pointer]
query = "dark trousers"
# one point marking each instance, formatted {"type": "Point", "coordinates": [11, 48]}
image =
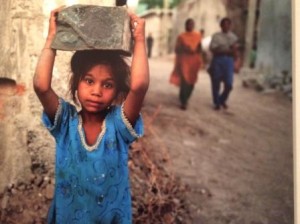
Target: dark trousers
{"type": "Point", "coordinates": [185, 91]}
{"type": "Point", "coordinates": [221, 71]}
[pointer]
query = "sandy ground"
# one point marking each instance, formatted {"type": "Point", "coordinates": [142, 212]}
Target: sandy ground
{"type": "Point", "coordinates": [238, 163]}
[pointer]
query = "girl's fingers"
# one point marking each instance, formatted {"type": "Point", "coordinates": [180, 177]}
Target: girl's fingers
{"type": "Point", "coordinates": [133, 18]}
{"type": "Point", "coordinates": [52, 20]}
{"type": "Point", "coordinates": [137, 26]}
{"type": "Point", "coordinates": [59, 8]}
{"type": "Point", "coordinates": [137, 21]}
{"type": "Point", "coordinates": [54, 12]}
{"type": "Point", "coordinates": [131, 14]}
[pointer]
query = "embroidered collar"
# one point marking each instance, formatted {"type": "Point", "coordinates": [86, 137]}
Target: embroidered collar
{"type": "Point", "coordinates": [82, 135]}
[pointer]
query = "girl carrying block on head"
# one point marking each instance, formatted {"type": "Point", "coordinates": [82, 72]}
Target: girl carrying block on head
{"type": "Point", "coordinates": [91, 173]}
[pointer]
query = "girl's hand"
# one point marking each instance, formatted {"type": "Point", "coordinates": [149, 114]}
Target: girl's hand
{"type": "Point", "coordinates": [137, 26]}
{"type": "Point", "coordinates": [52, 22]}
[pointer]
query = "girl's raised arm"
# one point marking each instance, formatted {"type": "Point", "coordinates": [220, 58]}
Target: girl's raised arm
{"type": "Point", "coordinates": [43, 73]}
{"type": "Point", "coordinates": [139, 71]}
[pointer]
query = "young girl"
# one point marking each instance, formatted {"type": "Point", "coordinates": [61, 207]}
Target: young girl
{"type": "Point", "coordinates": [92, 179]}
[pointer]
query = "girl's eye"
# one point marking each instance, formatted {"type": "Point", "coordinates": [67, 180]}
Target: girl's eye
{"type": "Point", "coordinates": [108, 85]}
{"type": "Point", "coordinates": [88, 81]}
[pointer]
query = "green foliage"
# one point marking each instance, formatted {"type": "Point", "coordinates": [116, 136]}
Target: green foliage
{"type": "Point", "coordinates": [159, 3]}
{"type": "Point", "coordinates": [174, 3]}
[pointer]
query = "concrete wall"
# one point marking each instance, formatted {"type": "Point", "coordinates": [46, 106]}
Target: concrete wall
{"type": "Point", "coordinates": [274, 38]}
{"type": "Point", "coordinates": [21, 23]}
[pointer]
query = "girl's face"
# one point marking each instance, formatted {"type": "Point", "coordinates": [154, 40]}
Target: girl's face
{"type": "Point", "coordinates": [97, 89]}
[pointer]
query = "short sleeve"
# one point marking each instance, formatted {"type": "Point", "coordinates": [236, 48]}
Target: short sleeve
{"type": "Point", "coordinates": [128, 132]}
{"type": "Point", "coordinates": [62, 115]}
{"type": "Point", "coordinates": [213, 43]}
{"type": "Point", "coordinates": [233, 38]}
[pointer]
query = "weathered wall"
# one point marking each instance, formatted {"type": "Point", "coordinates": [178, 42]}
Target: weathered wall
{"type": "Point", "coordinates": [273, 65]}
{"type": "Point", "coordinates": [274, 38]}
{"type": "Point", "coordinates": [20, 25]}
{"type": "Point", "coordinates": [17, 17]}
{"type": "Point", "coordinates": [15, 160]}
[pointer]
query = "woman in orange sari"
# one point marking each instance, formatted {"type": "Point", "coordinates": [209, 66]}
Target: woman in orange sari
{"type": "Point", "coordinates": [187, 63]}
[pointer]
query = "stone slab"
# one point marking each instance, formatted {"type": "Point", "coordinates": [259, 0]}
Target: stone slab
{"type": "Point", "coordinates": [85, 27]}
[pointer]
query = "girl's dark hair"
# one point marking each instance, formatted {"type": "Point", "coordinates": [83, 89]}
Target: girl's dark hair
{"type": "Point", "coordinates": [83, 61]}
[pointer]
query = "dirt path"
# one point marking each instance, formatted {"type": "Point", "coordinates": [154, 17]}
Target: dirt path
{"type": "Point", "coordinates": [238, 163]}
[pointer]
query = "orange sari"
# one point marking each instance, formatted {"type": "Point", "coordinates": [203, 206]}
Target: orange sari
{"type": "Point", "coordinates": [187, 64]}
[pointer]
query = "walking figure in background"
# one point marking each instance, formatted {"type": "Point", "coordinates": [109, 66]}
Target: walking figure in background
{"type": "Point", "coordinates": [91, 173]}
{"type": "Point", "coordinates": [202, 31]}
{"type": "Point", "coordinates": [188, 62]}
{"type": "Point", "coordinates": [203, 52]}
{"type": "Point", "coordinates": [225, 50]}
{"type": "Point", "coordinates": [150, 41]}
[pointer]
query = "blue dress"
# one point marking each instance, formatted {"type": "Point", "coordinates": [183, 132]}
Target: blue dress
{"type": "Point", "coordinates": [91, 182]}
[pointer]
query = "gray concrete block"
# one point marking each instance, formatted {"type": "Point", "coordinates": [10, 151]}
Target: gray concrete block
{"type": "Point", "coordinates": [84, 27]}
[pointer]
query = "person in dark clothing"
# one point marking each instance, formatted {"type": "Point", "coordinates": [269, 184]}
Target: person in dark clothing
{"type": "Point", "coordinates": [150, 41]}
{"type": "Point", "coordinates": [224, 48]}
